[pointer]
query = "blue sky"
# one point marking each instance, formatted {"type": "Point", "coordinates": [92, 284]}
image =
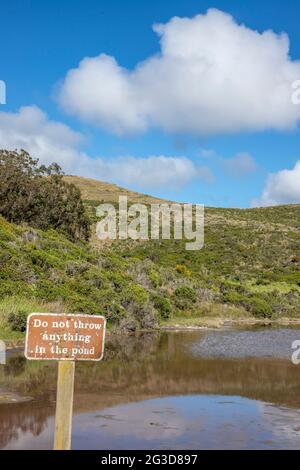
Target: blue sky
{"type": "Point", "coordinates": [177, 144]}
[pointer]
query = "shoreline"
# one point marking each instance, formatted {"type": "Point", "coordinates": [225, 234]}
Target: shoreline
{"type": "Point", "coordinates": [219, 323]}
{"type": "Point", "coordinates": [184, 325]}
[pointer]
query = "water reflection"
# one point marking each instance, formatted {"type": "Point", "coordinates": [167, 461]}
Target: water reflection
{"type": "Point", "coordinates": [22, 419]}
{"type": "Point", "coordinates": [145, 367]}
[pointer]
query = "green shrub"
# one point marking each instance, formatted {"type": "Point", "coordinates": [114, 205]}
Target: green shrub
{"type": "Point", "coordinates": [259, 307]}
{"type": "Point", "coordinates": [162, 305]}
{"type": "Point", "coordinates": [182, 269]}
{"type": "Point", "coordinates": [186, 292]}
{"type": "Point", "coordinates": [155, 278]}
{"type": "Point", "coordinates": [17, 321]}
{"type": "Point", "coordinates": [38, 195]}
{"type": "Point", "coordinates": [233, 297]}
{"type": "Point", "coordinates": [184, 297]}
{"type": "Point", "coordinates": [135, 293]}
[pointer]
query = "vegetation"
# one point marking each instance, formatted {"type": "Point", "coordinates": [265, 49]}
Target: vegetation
{"type": "Point", "coordinates": [249, 267]}
{"type": "Point", "coordinates": [39, 196]}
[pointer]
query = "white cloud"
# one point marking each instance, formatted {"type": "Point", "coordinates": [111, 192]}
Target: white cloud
{"type": "Point", "coordinates": [50, 141]}
{"type": "Point", "coordinates": [281, 188]}
{"type": "Point", "coordinates": [152, 172]}
{"type": "Point", "coordinates": [212, 75]}
{"type": "Point", "coordinates": [240, 165]}
{"type": "Point", "coordinates": [47, 140]}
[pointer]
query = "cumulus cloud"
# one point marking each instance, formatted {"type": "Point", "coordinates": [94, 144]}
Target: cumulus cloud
{"type": "Point", "coordinates": [240, 165]}
{"type": "Point", "coordinates": [50, 141]}
{"type": "Point", "coordinates": [47, 140]}
{"type": "Point", "coordinates": [212, 75]}
{"type": "Point", "coordinates": [282, 187]}
{"type": "Point", "coordinates": [154, 171]}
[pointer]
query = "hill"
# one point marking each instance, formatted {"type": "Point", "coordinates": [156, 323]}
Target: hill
{"type": "Point", "coordinates": [99, 191]}
{"type": "Point", "coordinates": [248, 268]}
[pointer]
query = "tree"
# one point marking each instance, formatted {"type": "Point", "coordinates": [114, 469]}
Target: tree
{"type": "Point", "coordinates": [38, 195]}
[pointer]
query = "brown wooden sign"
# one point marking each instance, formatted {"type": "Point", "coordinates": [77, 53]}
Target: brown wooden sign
{"type": "Point", "coordinates": [65, 337]}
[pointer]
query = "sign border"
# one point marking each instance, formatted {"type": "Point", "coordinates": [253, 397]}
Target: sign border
{"type": "Point", "coordinates": [63, 358]}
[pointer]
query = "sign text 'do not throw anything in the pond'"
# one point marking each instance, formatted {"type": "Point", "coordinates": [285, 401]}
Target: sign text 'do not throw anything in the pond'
{"type": "Point", "coordinates": [60, 337]}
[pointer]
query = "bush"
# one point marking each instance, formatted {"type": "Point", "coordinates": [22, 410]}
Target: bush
{"type": "Point", "coordinates": [147, 317]}
{"type": "Point", "coordinates": [162, 305]}
{"type": "Point", "coordinates": [138, 316]}
{"type": "Point", "coordinates": [39, 196]}
{"type": "Point", "coordinates": [182, 269]}
{"type": "Point", "coordinates": [185, 296]}
{"type": "Point", "coordinates": [259, 307]}
{"type": "Point", "coordinates": [155, 278]}
{"type": "Point", "coordinates": [233, 297]}
{"type": "Point", "coordinates": [186, 292]}
{"type": "Point", "coordinates": [255, 305]}
{"type": "Point", "coordinates": [135, 293]}
{"type": "Point", "coordinates": [17, 321]}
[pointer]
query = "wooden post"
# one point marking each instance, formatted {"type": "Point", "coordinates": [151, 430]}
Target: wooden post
{"type": "Point", "coordinates": [64, 405]}
{"type": "Point", "coordinates": [39, 346]}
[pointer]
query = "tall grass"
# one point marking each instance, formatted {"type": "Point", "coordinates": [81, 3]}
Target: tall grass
{"type": "Point", "coordinates": [15, 304]}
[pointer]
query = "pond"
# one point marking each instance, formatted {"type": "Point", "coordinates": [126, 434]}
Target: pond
{"type": "Point", "coordinates": [204, 389]}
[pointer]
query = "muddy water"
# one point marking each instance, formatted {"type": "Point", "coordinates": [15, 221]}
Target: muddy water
{"type": "Point", "coordinates": [201, 389]}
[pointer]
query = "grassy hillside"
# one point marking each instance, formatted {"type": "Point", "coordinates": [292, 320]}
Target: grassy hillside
{"type": "Point", "coordinates": [249, 267]}
{"type": "Point", "coordinates": [99, 191]}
